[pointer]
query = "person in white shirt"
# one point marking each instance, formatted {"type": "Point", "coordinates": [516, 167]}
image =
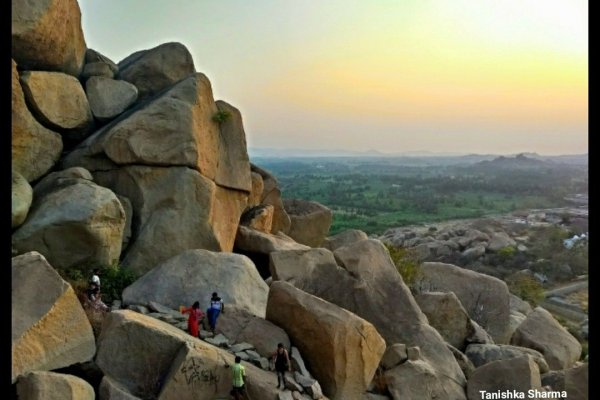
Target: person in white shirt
{"type": "Point", "coordinates": [96, 277]}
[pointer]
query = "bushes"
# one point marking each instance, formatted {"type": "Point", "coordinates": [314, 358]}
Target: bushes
{"type": "Point", "coordinates": [407, 263]}
{"type": "Point", "coordinates": [527, 288]}
{"type": "Point", "coordinates": [221, 116]}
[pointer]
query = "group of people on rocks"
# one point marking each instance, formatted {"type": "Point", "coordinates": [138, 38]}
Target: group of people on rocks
{"type": "Point", "coordinates": [197, 316]}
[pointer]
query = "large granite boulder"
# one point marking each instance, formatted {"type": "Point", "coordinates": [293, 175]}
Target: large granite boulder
{"type": "Point", "coordinates": [258, 217]}
{"type": "Point", "coordinates": [194, 275]}
{"type": "Point", "coordinates": [60, 179]}
{"type": "Point", "coordinates": [519, 374]}
{"type": "Point", "coordinates": [177, 207]}
{"type": "Point", "coordinates": [271, 194]}
{"type": "Point", "coordinates": [310, 221]}
{"type": "Point", "coordinates": [47, 35]}
{"type": "Point", "coordinates": [78, 224]}
{"type": "Point", "coordinates": [481, 354]}
{"type": "Point", "coordinates": [152, 359]}
{"type": "Point", "coordinates": [257, 189]}
{"type": "Point", "coordinates": [366, 282]}
{"type": "Point", "coordinates": [49, 327]}
{"type": "Point", "coordinates": [21, 196]}
{"type": "Point", "coordinates": [108, 97]}
{"type": "Point", "coordinates": [341, 349]}
{"type": "Point", "coordinates": [92, 57]}
{"type": "Point", "coordinates": [156, 69]}
{"type": "Point", "coordinates": [485, 298]}
{"type": "Point", "coordinates": [111, 390]}
{"type": "Point", "coordinates": [542, 332]}
{"type": "Point", "coordinates": [344, 238]}
{"type": "Point", "coordinates": [240, 326]}
{"type": "Point", "coordinates": [59, 102]}
{"type": "Point", "coordinates": [35, 149]}
{"type": "Point", "coordinates": [44, 385]}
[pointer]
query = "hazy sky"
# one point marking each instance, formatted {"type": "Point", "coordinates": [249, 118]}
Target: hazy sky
{"type": "Point", "coordinates": [493, 76]}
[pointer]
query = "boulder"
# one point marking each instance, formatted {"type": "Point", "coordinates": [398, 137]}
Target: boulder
{"type": "Point", "coordinates": [128, 208]}
{"type": "Point", "coordinates": [92, 56]}
{"type": "Point", "coordinates": [98, 69]}
{"type": "Point", "coordinates": [108, 97]}
{"type": "Point", "coordinates": [394, 355]}
{"type": "Point", "coordinates": [47, 35]}
{"type": "Point", "coordinates": [60, 179]}
{"type": "Point", "coordinates": [59, 102]}
{"type": "Point", "coordinates": [473, 253]}
{"type": "Point", "coordinates": [241, 326]}
{"type": "Point", "coordinates": [310, 221]}
{"type": "Point", "coordinates": [445, 313]}
{"type": "Point", "coordinates": [485, 298]}
{"type": "Point", "coordinates": [541, 332]}
{"type": "Point", "coordinates": [184, 278]}
{"type": "Point", "coordinates": [79, 224]}
{"type": "Point", "coordinates": [520, 305]}
{"type": "Point", "coordinates": [514, 374]}
{"type": "Point", "coordinates": [22, 196]}
{"type": "Point", "coordinates": [311, 386]}
{"type": "Point", "coordinates": [272, 195]}
{"type": "Point", "coordinates": [179, 365]}
{"type": "Point", "coordinates": [577, 382]}
{"type": "Point", "coordinates": [516, 319]}
{"type": "Point", "coordinates": [366, 282]}
{"type": "Point", "coordinates": [344, 238]}
{"type": "Point", "coordinates": [35, 149]}
{"type": "Point", "coordinates": [259, 218]}
{"type": "Point", "coordinates": [418, 380]}
{"type": "Point", "coordinates": [500, 240]}
{"type": "Point", "coordinates": [155, 69]}
{"type": "Point", "coordinates": [481, 354]}
{"type": "Point", "coordinates": [111, 390]}
{"type": "Point", "coordinates": [49, 327]}
{"type": "Point", "coordinates": [177, 207]}
{"type": "Point", "coordinates": [342, 350]}
{"type": "Point", "coordinates": [463, 361]}
{"type": "Point", "coordinates": [257, 189]}
{"type": "Point", "coordinates": [44, 385]}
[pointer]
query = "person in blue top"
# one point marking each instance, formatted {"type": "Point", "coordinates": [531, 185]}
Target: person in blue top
{"type": "Point", "coordinates": [216, 308]}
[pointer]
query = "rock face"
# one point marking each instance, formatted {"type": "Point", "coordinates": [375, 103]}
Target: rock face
{"type": "Point", "coordinates": [248, 239]}
{"type": "Point", "coordinates": [112, 390]}
{"type": "Point", "coordinates": [78, 224]}
{"type": "Point", "coordinates": [35, 149]}
{"type": "Point", "coordinates": [22, 196]}
{"type": "Point", "coordinates": [485, 298]}
{"type": "Point", "coordinates": [49, 327]}
{"type": "Point", "coordinates": [258, 217]}
{"type": "Point", "coordinates": [310, 221]}
{"type": "Point", "coordinates": [175, 206]}
{"type": "Point", "coordinates": [344, 238]}
{"type": "Point", "coordinates": [156, 69]}
{"type": "Point", "coordinates": [445, 313]}
{"type": "Point", "coordinates": [52, 386]}
{"type": "Point", "coordinates": [108, 97]}
{"type": "Point", "coordinates": [366, 282]}
{"type": "Point", "coordinates": [194, 275]}
{"type": "Point", "coordinates": [481, 354]}
{"type": "Point", "coordinates": [185, 367]}
{"type": "Point", "coordinates": [271, 194]}
{"type": "Point", "coordinates": [47, 35]}
{"type": "Point", "coordinates": [341, 349]}
{"type": "Point", "coordinates": [59, 102]}
{"type": "Point", "coordinates": [519, 374]}
{"type": "Point", "coordinates": [541, 332]}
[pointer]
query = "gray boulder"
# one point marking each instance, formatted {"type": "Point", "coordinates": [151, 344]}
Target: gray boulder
{"type": "Point", "coordinates": [187, 277]}
{"type": "Point", "coordinates": [60, 179]}
{"type": "Point", "coordinates": [156, 69]}
{"type": "Point", "coordinates": [22, 196]}
{"type": "Point", "coordinates": [98, 69]}
{"type": "Point", "coordinates": [515, 374]}
{"type": "Point", "coordinates": [111, 390]}
{"type": "Point", "coordinates": [259, 218]}
{"type": "Point", "coordinates": [500, 240]}
{"type": "Point", "coordinates": [92, 56]}
{"type": "Point", "coordinates": [344, 238]}
{"type": "Point", "coordinates": [481, 354]}
{"type": "Point", "coordinates": [43, 385]}
{"type": "Point", "coordinates": [108, 97]}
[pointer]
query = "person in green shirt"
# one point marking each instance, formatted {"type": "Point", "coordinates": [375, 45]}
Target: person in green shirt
{"type": "Point", "coordinates": [239, 373]}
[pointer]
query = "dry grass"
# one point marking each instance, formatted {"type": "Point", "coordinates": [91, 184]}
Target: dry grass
{"type": "Point", "coordinates": [580, 298]}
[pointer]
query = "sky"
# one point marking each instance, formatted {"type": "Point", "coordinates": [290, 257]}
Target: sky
{"type": "Point", "coordinates": [395, 76]}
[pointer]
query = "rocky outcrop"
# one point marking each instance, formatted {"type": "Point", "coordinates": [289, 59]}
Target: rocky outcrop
{"type": "Point", "coordinates": [108, 97]}
{"type": "Point", "coordinates": [485, 298]}
{"type": "Point", "coordinates": [45, 385]}
{"type": "Point", "coordinates": [177, 207]}
{"type": "Point", "coordinates": [344, 238]}
{"type": "Point", "coordinates": [59, 102]}
{"type": "Point", "coordinates": [35, 149]}
{"type": "Point", "coordinates": [271, 194]}
{"type": "Point", "coordinates": [366, 282]}
{"type": "Point", "coordinates": [310, 221]}
{"type": "Point", "coordinates": [481, 354]}
{"type": "Point", "coordinates": [94, 57]}
{"type": "Point", "coordinates": [257, 189]}
{"type": "Point", "coordinates": [515, 374]}
{"type": "Point", "coordinates": [342, 349]}
{"type": "Point", "coordinates": [81, 223]}
{"type": "Point", "coordinates": [22, 196]}
{"type": "Point", "coordinates": [47, 35]}
{"type": "Point", "coordinates": [49, 327]}
{"type": "Point", "coordinates": [194, 275]}
{"type": "Point", "coordinates": [541, 332]}
{"type": "Point", "coordinates": [123, 356]}
{"type": "Point", "coordinates": [500, 240]}
{"type": "Point", "coordinates": [156, 69]}
{"type": "Point", "coordinates": [259, 218]}
{"type": "Point", "coordinates": [60, 179]}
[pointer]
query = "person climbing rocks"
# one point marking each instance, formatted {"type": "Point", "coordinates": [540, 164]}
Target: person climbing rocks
{"type": "Point", "coordinates": [214, 310]}
{"type": "Point", "coordinates": [194, 319]}
{"type": "Point", "coordinates": [239, 373]}
{"type": "Point", "coordinates": [93, 295]}
{"type": "Point", "coordinates": [95, 278]}
{"type": "Point", "coordinates": [282, 362]}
